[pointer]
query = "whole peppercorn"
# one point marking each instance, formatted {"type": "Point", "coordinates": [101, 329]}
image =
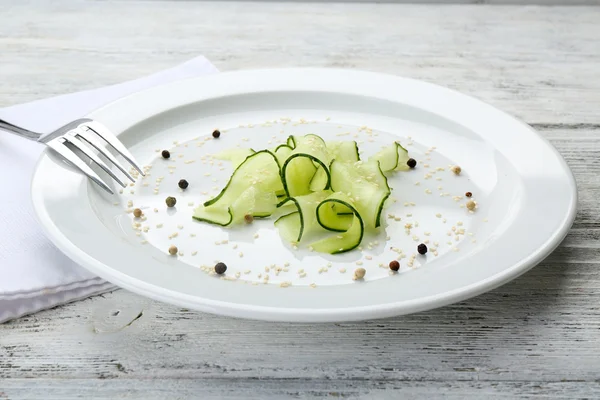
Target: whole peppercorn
{"type": "Point", "coordinates": [137, 213]}
{"type": "Point", "coordinates": [468, 194]}
{"type": "Point", "coordinates": [422, 248]}
{"type": "Point", "coordinates": [183, 184]}
{"type": "Point", "coordinates": [359, 273]}
{"type": "Point", "coordinates": [248, 218]}
{"type": "Point", "coordinates": [471, 205]}
{"type": "Point", "coordinates": [220, 268]}
{"type": "Point", "coordinates": [171, 201]}
{"type": "Point", "coordinates": [173, 250]}
{"type": "Point", "coordinates": [411, 163]}
{"type": "Point", "coordinates": [216, 133]}
{"type": "Point", "coordinates": [166, 154]}
{"type": "Point", "coordinates": [394, 265]}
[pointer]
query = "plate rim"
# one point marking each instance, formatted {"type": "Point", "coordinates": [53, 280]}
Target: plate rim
{"type": "Point", "coordinates": [270, 313]}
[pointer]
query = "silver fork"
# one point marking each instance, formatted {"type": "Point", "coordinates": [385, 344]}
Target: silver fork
{"type": "Point", "coordinates": [85, 135]}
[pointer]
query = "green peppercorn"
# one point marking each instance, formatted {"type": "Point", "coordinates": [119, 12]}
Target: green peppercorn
{"type": "Point", "coordinates": [171, 201]}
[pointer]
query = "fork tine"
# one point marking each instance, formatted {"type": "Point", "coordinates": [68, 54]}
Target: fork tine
{"type": "Point", "coordinates": [90, 137]}
{"type": "Point", "coordinates": [61, 149]}
{"type": "Point", "coordinates": [111, 139]}
{"type": "Point", "coordinates": [70, 137]}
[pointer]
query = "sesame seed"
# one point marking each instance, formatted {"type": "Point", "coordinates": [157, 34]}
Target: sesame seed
{"type": "Point", "coordinates": [438, 215]}
{"type": "Point", "coordinates": [342, 270]}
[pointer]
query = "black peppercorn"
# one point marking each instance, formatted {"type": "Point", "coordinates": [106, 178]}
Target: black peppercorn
{"type": "Point", "coordinates": [220, 268]}
{"type": "Point", "coordinates": [171, 201]}
{"type": "Point", "coordinates": [411, 163]}
{"type": "Point", "coordinates": [166, 154]}
{"type": "Point", "coordinates": [394, 265]}
{"type": "Point", "coordinates": [216, 133]}
{"type": "Point", "coordinates": [183, 184]}
{"type": "Point", "coordinates": [422, 248]}
{"type": "Point", "coordinates": [468, 194]}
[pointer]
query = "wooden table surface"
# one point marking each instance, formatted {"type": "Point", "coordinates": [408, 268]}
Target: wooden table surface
{"type": "Point", "coordinates": [538, 336]}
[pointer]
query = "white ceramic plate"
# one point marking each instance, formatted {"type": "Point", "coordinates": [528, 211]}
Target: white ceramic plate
{"type": "Point", "coordinates": [525, 192]}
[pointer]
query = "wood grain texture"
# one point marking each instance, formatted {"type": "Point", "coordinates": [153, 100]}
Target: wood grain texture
{"type": "Point", "coordinates": [538, 63]}
{"type": "Point", "coordinates": [536, 337]}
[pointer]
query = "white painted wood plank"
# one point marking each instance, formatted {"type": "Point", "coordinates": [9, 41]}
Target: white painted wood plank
{"type": "Point", "coordinates": [227, 389]}
{"type": "Point", "coordinates": [539, 63]}
{"type": "Point", "coordinates": [434, 2]}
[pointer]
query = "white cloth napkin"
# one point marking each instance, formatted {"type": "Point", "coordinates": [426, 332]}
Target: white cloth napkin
{"type": "Point", "coordinates": [34, 275]}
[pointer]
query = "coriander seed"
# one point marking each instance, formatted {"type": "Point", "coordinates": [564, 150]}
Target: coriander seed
{"type": "Point", "coordinates": [216, 133]}
{"type": "Point", "coordinates": [411, 163]}
{"type": "Point", "coordinates": [394, 265]}
{"type": "Point", "coordinates": [456, 169]}
{"type": "Point", "coordinates": [183, 184]}
{"type": "Point", "coordinates": [220, 268]}
{"type": "Point", "coordinates": [173, 250]}
{"type": "Point", "coordinates": [166, 154]}
{"type": "Point", "coordinates": [137, 213]}
{"type": "Point", "coordinates": [422, 248]}
{"type": "Point", "coordinates": [171, 201]}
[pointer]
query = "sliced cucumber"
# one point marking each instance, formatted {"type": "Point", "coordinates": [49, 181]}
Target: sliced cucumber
{"type": "Point", "coordinates": [259, 169]}
{"type": "Point", "coordinates": [282, 152]}
{"type": "Point", "coordinates": [291, 141]}
{"type": "Point", "coordinates": [251, 190]}
{"type": "Point", "coordinates": [352, 227]}
{"type": "Point", "coordinates": [253, 202]}
{"type": "Point", "coordinates": [343, 151]}
{"type": "Point", "coordinates": [213, 215]}
{"type": "Point", "coordinates": [299, 169]}
{"type": "Point", "coordinates": [296, 179]}
{"type": "Point", "coordinates": [366, 186]}
{"type": "Point", "coordinates": [293, 228]}
{"type": "Point", "coordinates": [387, 158]}
{"type": "Point", "coordinates": [290, 226]}
{"type": "Point", "coordinates": [403, 158]}
{"type": "Point", "coordinates": [319, 180]}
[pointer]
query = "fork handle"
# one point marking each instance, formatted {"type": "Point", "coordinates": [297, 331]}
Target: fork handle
{"type": "Point", "coordinates": [19, 131]}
